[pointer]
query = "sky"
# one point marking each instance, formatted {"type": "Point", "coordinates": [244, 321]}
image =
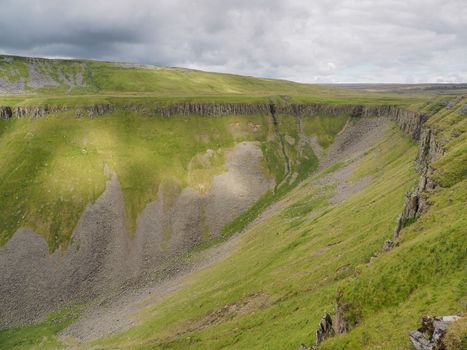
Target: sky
{"type": "Point", "coordinates": [315, 41]}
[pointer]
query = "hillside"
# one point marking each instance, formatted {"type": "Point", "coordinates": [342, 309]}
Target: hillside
{"type": "Point", "coordinates": [20, 75]}
{"type": "Point", "coordinates": [145, 207]}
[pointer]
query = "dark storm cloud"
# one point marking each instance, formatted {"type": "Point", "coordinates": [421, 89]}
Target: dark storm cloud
{"type": "Point", "coordinates": [325, 41]}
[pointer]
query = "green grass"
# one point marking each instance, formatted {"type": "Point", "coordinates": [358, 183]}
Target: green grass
{"type": "Point", "coordinates": [107, 81]}
{"type": "Point", "coordinates": [325, 128]}
{"type": "Point", "coordinates": [114, 78]}
{"type": "Point", "coordinates": [41, 335]}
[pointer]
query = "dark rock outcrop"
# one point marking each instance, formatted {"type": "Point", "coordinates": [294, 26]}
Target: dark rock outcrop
{"type": "Point", "coordinates": [325, 329]}
{"type": "Point", "coordinates": [340, 323]}
{"type": "Point", "coordinates": [416, 202]}
{"type": "Point", "coordinates": [388, 245]}
{"type": "Point", "coordinates": [430, 150]}
{"type": "Point", "coordinates": [408, 121]}
{"type": "Point", "coordinates": [211, 109]}
{"type": "Point", "coordinates": [95, 110]}
{"type": "Point", "coordinates": [5, 112]}
{"type": "Point", "coordinates": [431, 333]}
{"type": "Point", "coordinates": [90, 111]}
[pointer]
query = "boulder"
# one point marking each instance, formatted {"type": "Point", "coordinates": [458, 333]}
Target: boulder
{"type": "Point", "coordinates": [388, 245]}
{"type": "Point", "coordinates": [431, 333]}
{"type": "Point", "coordinates": [304, 347]}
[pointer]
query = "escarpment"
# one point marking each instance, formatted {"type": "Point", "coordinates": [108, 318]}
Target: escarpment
{"type": "Point", "coordinates": [416, 202]}
{"type": "Point", "coordinates": [409, 121]}
{"type": "Point", "coordinates": [7, 112]}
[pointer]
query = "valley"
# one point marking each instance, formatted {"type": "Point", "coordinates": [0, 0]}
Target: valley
{"type": "Point", "coordinates": [144, 207]}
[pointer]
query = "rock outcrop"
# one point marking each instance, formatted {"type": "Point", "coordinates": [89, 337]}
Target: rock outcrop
{"type": "Point", "coordinates": [431, 333]}
{"type": "Point", "coordinates": [90, 111]}
{"type": "Point", "coordinates": [5, 112]}
{"type": "Point", "coordinates": [410, 122]}
{"type": "Point", "coordinates": [340, 323]}
{"type": "Point", "coordinates": [211, 109]}
{"type": "Point", "coordinates": [416, 202]}
{"type": "Point", "coordinates": [325, 329]}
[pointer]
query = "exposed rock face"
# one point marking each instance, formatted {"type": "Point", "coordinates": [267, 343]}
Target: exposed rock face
{"type": "Point", "coordinates": [90, 111]}
{"type": "Point", "coordinates": [388, 245]}
{"type": "Point", "coordinates": [40, 73]}
{"type": "Point", "coordinates": [212, 109]}
{"type": "Point", "coordinates": [340, 323]}
{"type": "Point", "coordinates": [95, 110]}
{"type": "Point", "coordinates": [324, 330]}
{"type": "Point", "coordinates": [431, 333]}
{"type": "Point", "coordinates": [410, 122]}
{"type": "Point", "coordinates": [430, 150]}
{"type": "Point", "coordinates": [37, 111]}
{"type": "Point", "coordinates": [5, 112]}
{"type": "Point", "coordinates": [416, 202]}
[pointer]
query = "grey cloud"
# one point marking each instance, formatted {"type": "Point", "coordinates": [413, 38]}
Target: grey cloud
{"type": "Point", "coordinates": [313, 41]}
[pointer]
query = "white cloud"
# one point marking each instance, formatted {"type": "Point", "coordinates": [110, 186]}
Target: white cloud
{"type": "Point", "coordinates": [314, 41]}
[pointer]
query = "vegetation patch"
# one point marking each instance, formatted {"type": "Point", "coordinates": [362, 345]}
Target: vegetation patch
{"type": "Point", "coordinates": [42, 335]}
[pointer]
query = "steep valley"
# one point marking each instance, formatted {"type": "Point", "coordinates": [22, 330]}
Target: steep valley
{"type": "Point", "coordinates": [224, 213]}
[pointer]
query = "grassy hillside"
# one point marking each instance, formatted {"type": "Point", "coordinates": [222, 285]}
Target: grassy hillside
{"type": "Point", "coordinates": [54, 77]}
{"type": "Point", "coordinates": [35, 81]}
{"type": "Point", "coordinates": [52, 167]}
{"type": "Point", "coordinates": [286, 272]}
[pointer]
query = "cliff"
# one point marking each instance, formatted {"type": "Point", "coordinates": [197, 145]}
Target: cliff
{"type": "Point", "coordinates": [416, 202]}
{"type": "Point", "coordinates": [409, 121]}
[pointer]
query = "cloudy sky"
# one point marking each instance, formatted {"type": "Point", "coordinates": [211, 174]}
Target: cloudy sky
{"type": "Point", "coordinates": [303, 40]}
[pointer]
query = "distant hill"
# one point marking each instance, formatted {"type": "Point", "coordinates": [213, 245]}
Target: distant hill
{"type": "Point", "coordinates": [59, 76]}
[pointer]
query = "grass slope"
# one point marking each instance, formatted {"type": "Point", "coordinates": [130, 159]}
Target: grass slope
{"type": "Point", "coordinates": [286, 272]}
{"type": "Point", "coordinates": [58, 82]}
{"type": "Point", "coordinates": [52, 167]}
{"type": "Point", "coordinates": [95, 77]}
